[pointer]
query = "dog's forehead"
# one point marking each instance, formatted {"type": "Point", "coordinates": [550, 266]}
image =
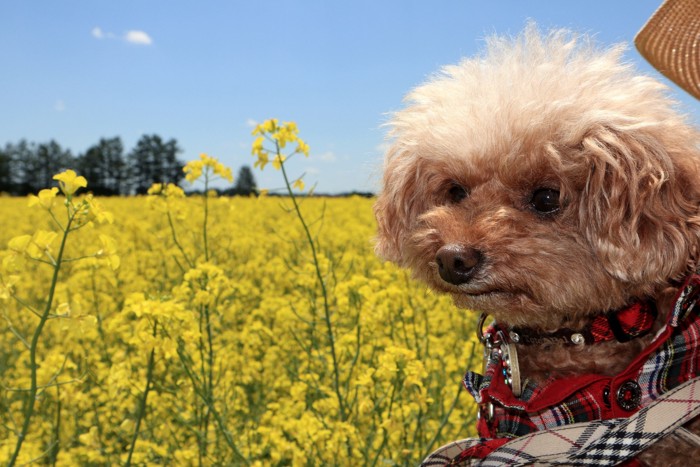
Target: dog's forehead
{"type": "Point", "coordinates": [472, 150]}
{"type": "Point", "coordinates": [511, 161]}
{"type": "Point", "coordinates": [520, 135]}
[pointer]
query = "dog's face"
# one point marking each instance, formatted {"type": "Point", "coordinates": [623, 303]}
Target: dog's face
{"type": "Point", "coordinates": [541, 183]}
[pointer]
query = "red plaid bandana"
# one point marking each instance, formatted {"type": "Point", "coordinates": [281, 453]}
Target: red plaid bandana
{"type": "Point", "coordinates": [671, 359]}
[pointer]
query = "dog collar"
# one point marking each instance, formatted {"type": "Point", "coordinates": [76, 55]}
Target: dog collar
{"type": "Point", "coordinates": [623, 325]}
{"type": "Point", "coordinates": [670, 359]}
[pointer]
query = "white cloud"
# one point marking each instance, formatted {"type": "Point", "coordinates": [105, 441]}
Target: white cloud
{"type": "Point", "coordinates": [252, 123]}
{"type": "Point", "coordinates": [59, 105]}
{"type": "Point", "coordinates": [328, 156]}
{"type": "Point", "coordinates": [132, 36]}
{"type": "Point", "coordinates": [138, 38]}
{"type": "Point", "coordinates": [98, 33]}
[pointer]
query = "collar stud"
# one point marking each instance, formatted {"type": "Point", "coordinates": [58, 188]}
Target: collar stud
{"type": "Point", "coordinates": [578, 339]}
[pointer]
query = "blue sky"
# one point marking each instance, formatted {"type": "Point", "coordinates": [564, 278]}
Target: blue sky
{"type": "Point", "coordinates": [202, 72]}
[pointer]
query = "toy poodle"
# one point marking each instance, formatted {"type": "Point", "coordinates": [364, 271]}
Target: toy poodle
{"type": "Point", "coordinates": [547, 184]}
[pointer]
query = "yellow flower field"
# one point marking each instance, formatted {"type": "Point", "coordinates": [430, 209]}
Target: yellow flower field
{"type": "Point", "coordinates": [202, 331]}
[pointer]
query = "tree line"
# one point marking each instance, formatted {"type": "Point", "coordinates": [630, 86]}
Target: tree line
{"type": "Point", "coordinates": [27, 167]}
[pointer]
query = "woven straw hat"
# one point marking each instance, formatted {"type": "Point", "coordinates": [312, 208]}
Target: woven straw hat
{"type": "Point", "coordinates": [670, 41]}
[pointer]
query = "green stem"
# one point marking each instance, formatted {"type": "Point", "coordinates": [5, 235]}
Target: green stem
{"type": "Point", "coordinates": [446, 418]}
{"type": "Point", "coordinates": [55, 435]}
{"type": "Point", "coordinates": [204, 420]}
{"type": "Point", "coordinates": [144, 397]}
{"type": "Point", "coordinates": [177, 242]}
{"type": "Point", "coordinates": [324, 291]}
{"type": "Point", "coordinates": [30, 399]}
{"type": "Point", "coordinates": [100, 329]}
{"type": "Point", "coordinates": [210, 374]}
{"type": "Point", "coordinates": [206, 215]}
{"type": "Point", "coordinates": [206, 351]}
{"type": "Point", "coordinates": [185, 359]}
{"type": "Point", "coordinates": [385, 433]}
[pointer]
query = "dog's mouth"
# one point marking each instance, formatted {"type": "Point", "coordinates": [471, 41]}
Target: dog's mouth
{"type": "Point", "coordinates": [475, 292]}
{"type": "Point", "coordinates": [477, 285]}
{"type": "Point", "coordinates": [503, 304]}
{"type": "Point", "coordinates": [486, 293]}
{"type": "Point", "coordinates": [492, 295]}
{"type": "Point", "coordinates": [478, 291]}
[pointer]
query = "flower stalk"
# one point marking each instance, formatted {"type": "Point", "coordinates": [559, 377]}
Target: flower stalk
{"type": "Point", "coordinates": [141, 410]}
{"type": "Point", "coordinates": [280, 135]}
{"type": "Point", "coordinates": [69, 183]}
{"type": "Point", "coordinates": [30, 398]}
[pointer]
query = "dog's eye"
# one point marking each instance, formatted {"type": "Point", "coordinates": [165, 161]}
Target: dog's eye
{"type": "Point", "coordinates": [456, 193]}
{"type": "Point", "coordinates": [545, 200]}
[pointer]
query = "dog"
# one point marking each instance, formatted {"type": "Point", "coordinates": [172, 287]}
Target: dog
{"type": "Point", "coordinates": [549, 185]}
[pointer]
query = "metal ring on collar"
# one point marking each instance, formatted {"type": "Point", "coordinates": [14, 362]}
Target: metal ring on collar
{"type": "Point", "coordinates": [480, 328]}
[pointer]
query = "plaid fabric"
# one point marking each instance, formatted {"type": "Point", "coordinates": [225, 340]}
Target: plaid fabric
{"type": "Point", "coordinates": [670, 360]}
{"type": "Point", "coordinates": [628, 323]}
{"type": "Point", "coordinates": [599, 442]}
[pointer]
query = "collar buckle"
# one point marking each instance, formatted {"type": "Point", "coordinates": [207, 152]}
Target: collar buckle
{"type": "Point", "coordinates": [500, 351]}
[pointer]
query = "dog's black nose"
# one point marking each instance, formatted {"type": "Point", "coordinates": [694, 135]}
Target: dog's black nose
{"type": "Point", "coordinates": [457, 263]}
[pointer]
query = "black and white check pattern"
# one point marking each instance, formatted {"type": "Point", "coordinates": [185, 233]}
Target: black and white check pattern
{"type": "Point", "coordinates": [601, 442]}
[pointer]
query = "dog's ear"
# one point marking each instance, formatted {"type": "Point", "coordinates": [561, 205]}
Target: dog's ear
{"type": "Point", "coordinates": [639, 205]}
{"type": "Point", "coordinates": [399, 203]}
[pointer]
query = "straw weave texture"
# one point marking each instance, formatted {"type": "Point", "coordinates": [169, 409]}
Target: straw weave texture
{"type": "Point", "coordinates": [670, 41]}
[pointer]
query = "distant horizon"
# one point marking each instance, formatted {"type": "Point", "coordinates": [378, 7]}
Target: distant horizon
{"type": "Point", "coordinates": [30, 174]}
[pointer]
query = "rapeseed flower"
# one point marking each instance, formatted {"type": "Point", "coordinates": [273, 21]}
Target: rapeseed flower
{"type": "Point", "coordinates": [263, 160]}
{"type": "Point", "coordinates": [34, 246]}
{"type": "Point", "coordinates": [108, 251]}
{"type": "Point", "coordinates": [20, 243]}
{"type": "Point", "coordinates": [46, 198]}
{"type": "Point", "coordinates": [401, 351]}
{"type": "Point", "coordinates": [7, 285]}
{"type": "Point", "coordinates": [280, 135]}
{"type": "Point", "coordinates": [70, 182]}
{"type": "Point", "coordinates": [43, 239]}
{"type": "Point", "coordinates": [209, 165]}
{"type": "Point", "coordinates": [166, 190]}
{"type": "Point", "coordinates": [96, 212]}
{"type": "Point", "coordinates": [278, 161]}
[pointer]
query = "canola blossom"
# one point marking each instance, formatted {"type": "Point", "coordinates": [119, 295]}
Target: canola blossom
{"type": "Point", "coordinates": [203, 330]}
{"type": "Point", "coordinates": [207, 165]}
{"type": "Point", "coordinates": [70, 182]}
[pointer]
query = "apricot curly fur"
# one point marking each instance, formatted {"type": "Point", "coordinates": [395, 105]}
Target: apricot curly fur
{"type": "Point", "coordinates": [547, 111]}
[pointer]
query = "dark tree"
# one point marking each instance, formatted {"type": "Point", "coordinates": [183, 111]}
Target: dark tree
{"type": "Point", "coordinates": [22, 156]}
{"type": "Point", "coordinates": [51, 159]}
{"type": "Point", "coordinates": [33, 166]}
{"type": "Point", "coordinates": [104, 167]}
{"type": "Point", "coordinates": [6, 166]}
{"type": "Point", "coordinates": [154, 161]}
{"type": "Point", "coordinates": [245, 183]}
